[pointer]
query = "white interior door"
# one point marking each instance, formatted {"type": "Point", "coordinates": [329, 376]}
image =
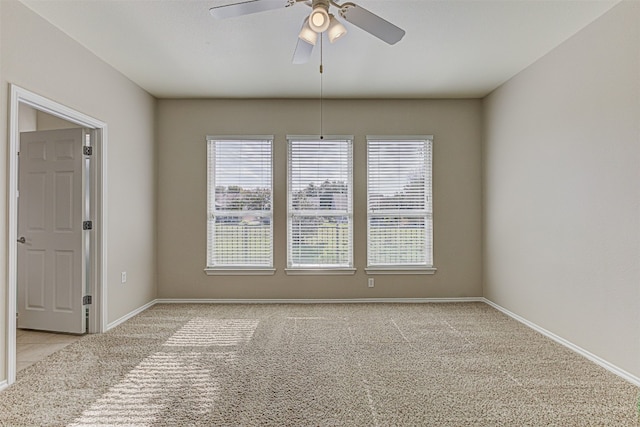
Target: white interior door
{"type": "Point", "coordinates": [51, 271]}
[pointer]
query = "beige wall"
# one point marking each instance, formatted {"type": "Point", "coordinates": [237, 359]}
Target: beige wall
{"type": "Point", "coordinates": [48, 122]}
{"type": "Point", "coordinates": [183, 126]}
{"type": "Point", "coordinates": [562, 190]}
{"type": "Point", "coordinates": [27, 118]}
{"type": "Point", "coordinates": [30, 119]}
{"type": "Point", "coordinates": [40, 58]}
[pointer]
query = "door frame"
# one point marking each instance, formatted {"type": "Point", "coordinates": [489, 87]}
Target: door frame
{"type": "Point", "coordinates": [97, 310]}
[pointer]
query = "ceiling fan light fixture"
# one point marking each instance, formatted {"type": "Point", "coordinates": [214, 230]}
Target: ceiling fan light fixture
{"type": "Point", "coordinates": [335, 29]}
{"type": "Point", "coordinates": [319, 19]}
{"type": "Point", "coordinates": [307, 34]}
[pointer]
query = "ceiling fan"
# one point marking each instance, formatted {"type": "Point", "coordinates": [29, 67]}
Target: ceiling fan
{"type": "Point", "coordinates": [319, 21]}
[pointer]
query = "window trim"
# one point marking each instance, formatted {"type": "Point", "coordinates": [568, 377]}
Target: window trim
{"type": "Point", "coordinates": [401, 270]}
{"type": "Point", "coordinates": [330, 269]}
{"type": "Point", "coordinates": [244, 270]}
{"type": "Point", "coordinates": [426, 269]}
{"type": "Point", "coordinates": [225, 271]}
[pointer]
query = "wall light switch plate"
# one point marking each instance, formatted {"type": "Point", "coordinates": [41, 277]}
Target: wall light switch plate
{"type": "Point", "coordinates": [123, 277]}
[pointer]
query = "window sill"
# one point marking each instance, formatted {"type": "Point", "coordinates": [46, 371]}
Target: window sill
{"type": "Point", "coordinates": [400, 270]}
{"type": "Point", "coordinates": [240, 271]}
{"type": "Point", "coordinates": [319, 271]}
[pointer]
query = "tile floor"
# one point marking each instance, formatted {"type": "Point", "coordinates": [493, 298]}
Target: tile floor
{"type": "Point", "coordinates": [33, 346]}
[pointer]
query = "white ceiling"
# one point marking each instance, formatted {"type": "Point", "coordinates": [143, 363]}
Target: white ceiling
{"type": "Point", "coordinates": [452, 49]}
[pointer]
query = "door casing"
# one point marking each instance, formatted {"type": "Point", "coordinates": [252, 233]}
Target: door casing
{"type": "Point", "coordinates": [97, 311]}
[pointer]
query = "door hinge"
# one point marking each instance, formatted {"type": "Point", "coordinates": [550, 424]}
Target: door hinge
{"type": "Point", "coordinates": [87, 150]}
{"type": "Point", "coordinates": [86, 300]}
{"type": "Point", "coordinates": [87, 225]}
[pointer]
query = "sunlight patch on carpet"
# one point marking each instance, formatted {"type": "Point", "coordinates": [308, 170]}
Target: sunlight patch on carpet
{"type": "Point", "coordinates": [201, 332]}
{"type": "Point", "coordinates": [146, 391]}
{"type": "Point", "coordinates": [143, 394]}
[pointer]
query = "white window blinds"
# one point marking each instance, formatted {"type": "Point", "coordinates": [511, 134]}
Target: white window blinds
{"type": "Point", "coordinates": [399, 214]}
{"type": "Point", "coordinates": [240, 200]}
{"type": "Point", "coordinates": [320, 207]}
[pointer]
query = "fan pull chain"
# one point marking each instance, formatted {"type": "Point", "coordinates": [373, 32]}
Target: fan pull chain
{"type": "Point", "coordinates": [321, 90]}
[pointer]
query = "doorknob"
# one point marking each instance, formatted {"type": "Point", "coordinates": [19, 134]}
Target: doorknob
{"type": "Point", "coordinates": [22, 240]}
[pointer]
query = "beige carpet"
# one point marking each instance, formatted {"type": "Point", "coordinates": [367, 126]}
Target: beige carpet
{"type": "Point", "coordinates": [318, 365]}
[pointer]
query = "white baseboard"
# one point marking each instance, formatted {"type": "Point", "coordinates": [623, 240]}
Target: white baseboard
{"type": "Point", "coordinates": [130, 315]}
{"type": "Point", "coordinates": [581, 351]}
{"type": "Point", "coordinates": [315, 301]}
{"type": "Point", "coordinates": [3, 385]}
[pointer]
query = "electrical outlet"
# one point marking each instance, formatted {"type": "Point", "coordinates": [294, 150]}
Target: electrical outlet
{"type": "Point", "coordinates": [371, 282]}
{"type": "Point", "coordinates": [123, 277]}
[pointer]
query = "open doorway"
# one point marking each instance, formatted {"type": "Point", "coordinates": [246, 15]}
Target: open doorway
{"type": "Point", "coordinates": [54, 260]}
{"type": "Point", "coordinates": [41, 120]}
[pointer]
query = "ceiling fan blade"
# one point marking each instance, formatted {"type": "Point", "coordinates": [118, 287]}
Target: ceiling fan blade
{"type": "Point", "coordinates": [371, 23]}
{"type": "Point", "coordinates": [303, 51]}
{"type": "Point", "coordinates": [246, 8]}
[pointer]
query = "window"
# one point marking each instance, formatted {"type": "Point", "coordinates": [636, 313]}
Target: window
{"type": "Point", "coordinates": [239, 221]}
{"type": "Point", "coordinates": [320, 208]}
{"type": "Point", "coordinates": [399, 215]}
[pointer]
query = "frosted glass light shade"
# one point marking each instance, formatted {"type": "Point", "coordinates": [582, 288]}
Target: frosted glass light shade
{"type": "Point", "coordinates": [319, 19]}
{"type": "Point", "coordinates": [336, 29]}
{"type": "Point", "coordinates": [307, 34]}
